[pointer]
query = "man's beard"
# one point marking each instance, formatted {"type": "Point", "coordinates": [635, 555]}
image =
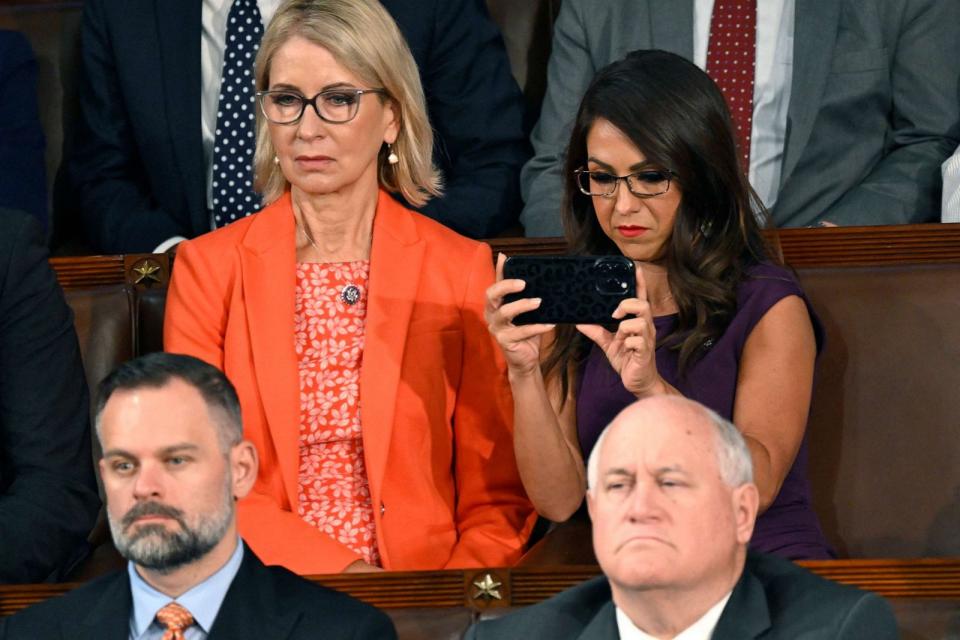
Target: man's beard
{"type": "Point", "coordinates": [155, 547]}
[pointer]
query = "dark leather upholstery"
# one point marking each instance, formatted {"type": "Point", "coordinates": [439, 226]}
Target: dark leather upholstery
{"type": "Point", "coordinates": [104, 322]}
{"type": "Point", "coordinates": [935, 619]}
{"type": "Point", "coordinates": [150, 307]}
{"type": "Point", "coordinates": [885, 423]}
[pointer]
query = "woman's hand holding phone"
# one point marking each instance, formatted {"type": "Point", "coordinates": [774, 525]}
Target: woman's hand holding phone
{"type": "Point", "coordinates": [520, 343]}
{"type": "Point", "coordinates": [631, 350]}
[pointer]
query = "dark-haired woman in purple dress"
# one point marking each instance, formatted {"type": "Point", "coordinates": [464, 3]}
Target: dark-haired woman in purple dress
{"type": "Point", "coordinates": [652, 173]}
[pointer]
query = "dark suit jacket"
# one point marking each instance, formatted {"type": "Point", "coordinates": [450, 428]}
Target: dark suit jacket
{"type": "Point", "coordinates": [48, 495]}
{"type": "Point", "coordinates": [137, 169]}
{"type": "Point", "coordinates": [262, 602]}
{"type": "Point", "coordinates": [873, 110]}
{"type": "Point", "coordinates": [23, 174]}
{"type": "Point", "coordinates": [774, 599]}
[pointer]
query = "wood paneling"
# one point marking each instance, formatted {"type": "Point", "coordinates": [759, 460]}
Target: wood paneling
{"type": "Point", "coordinates": [822, 247]}
{"type": "Point", "coordinates": [840, 246]}
{"type": "Point", "coordinates": [36, 5]}
{"type": "Point", "coordinates": [137, 269]}
{"type": "Point", "coordinates": [871, 246]}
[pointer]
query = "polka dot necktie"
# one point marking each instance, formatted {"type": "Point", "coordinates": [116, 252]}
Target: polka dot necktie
{"type": "Point", "coordinates": [235, 136]}
{"type": "Point", "coordinates": [731, 62]}
{"type": "Point", "coordinates": [175, 619]}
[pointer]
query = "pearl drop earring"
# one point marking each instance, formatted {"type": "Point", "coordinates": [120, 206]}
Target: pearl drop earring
{"type": "Point", "coordinates": [392, 158]}
{"type": "Point", "coordinates": [276, 160]}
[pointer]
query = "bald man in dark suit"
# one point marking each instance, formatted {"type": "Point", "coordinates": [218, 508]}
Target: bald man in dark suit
{"type": "Point", "coordinates": [672, 502]}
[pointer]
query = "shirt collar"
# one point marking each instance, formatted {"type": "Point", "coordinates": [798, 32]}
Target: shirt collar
{"type": "Point", "coordinates": [702, 629]}
{"type": "Point", "coordinates": [202, 601]}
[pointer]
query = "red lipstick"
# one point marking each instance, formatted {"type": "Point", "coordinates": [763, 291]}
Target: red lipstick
{"type": "Point", "coordinates": [631, 231]}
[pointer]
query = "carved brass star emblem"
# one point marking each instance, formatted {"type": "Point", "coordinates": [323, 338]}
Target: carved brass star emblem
{"type": "Point", "coordinates": [146, 270]}
{"type": "Point", "coordinates": [488, 588]}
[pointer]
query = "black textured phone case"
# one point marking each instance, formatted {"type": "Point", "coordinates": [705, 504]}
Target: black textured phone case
{"type": "Point", "coordinates": [572, 287]}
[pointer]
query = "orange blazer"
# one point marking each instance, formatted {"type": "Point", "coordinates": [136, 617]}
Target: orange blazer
{"type": "Point", "coordinates": [436, 410]}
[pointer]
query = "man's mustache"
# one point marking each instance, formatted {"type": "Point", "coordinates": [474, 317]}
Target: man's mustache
{"type": "Point", "coordinates": [152, 509]}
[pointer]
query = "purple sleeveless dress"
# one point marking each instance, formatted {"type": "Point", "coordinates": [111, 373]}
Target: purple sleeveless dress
{"type": "Point", "coordinates": [789, 528]}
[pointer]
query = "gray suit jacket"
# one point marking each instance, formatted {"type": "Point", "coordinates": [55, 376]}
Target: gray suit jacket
{"type": "Point", "coordinates": [774, 599]}
{"type": "Point", "coordinates": [874, 107]}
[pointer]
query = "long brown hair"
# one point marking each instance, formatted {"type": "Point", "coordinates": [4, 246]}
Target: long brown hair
{"type": "Point", "coordinates": [677, 117]}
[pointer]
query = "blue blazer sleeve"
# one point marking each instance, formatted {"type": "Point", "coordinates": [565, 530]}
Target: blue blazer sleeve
{"type": "Point", "coordinates": [23, 180]}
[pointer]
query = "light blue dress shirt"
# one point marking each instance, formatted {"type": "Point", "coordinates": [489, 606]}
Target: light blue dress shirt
{"type": "Point", "coordinates": [202, 601]}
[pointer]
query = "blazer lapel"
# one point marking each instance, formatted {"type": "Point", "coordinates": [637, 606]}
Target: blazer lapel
{"type": "Point", "coordinates": [178, 31]}
{"type": "Point", "coordinates": [109, 617]}
{"type": "Point", "coordinates": [603, 626]}
{"type": "Point", "coordinates": [268, 261]}
{"type": "Point", "coordinates": [395, 260]}
{"type": "Point", "coordinates": [814, 38]}
{"type": "Point", "coordinates": [252, 608]}
{"type": "Point", "coordinates": [671, 26]}
{"type": "Point", "coordinates": [747, 614]}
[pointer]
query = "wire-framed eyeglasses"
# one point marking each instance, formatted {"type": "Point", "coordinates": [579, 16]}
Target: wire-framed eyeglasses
{"type": "Point", "coordinates": [335, 106]}
{"type": "Point", "coordinates": [643, 184]}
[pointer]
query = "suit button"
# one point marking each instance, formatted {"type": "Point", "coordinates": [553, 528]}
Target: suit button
{"type": "Point", "coordinates": [383, 508]}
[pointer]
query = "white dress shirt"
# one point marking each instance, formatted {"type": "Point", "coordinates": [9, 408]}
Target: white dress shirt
{"type": "Point", "coordinates": [951, 188]}
{"type": "Point", "coordinates": [702, 629]}
{"type": "Point", "coordinates": [771, 88]}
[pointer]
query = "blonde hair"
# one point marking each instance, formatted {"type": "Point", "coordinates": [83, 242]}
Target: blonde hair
{"type": "Point", "coordinates": [362, 37]}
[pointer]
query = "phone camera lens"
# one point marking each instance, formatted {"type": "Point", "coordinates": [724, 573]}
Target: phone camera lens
{"type": "Point", "coordinates": [611, 285]}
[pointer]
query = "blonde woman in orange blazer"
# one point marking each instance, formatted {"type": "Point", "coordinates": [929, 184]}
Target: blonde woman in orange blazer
{"type": "Point", "coordinates": [435, 406]}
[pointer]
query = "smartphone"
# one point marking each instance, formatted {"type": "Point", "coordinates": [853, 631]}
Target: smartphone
{"type": "Point", "coordinates": [574, 289]}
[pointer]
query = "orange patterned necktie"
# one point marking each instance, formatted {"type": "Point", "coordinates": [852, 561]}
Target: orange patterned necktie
{"type": "Point", "coordinates": [175, 619]}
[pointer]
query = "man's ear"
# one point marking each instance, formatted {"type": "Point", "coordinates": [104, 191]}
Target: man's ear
{"type": "Point", "coordinates": [590, 506]}
{"type": "Point", "coordinates": [746, 503]}
{"type": "Point", "coordinates": [244, 464]}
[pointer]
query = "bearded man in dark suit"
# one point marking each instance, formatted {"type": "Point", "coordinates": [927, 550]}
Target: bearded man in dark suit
{"type": "Point", "coordinates": [174, 464]}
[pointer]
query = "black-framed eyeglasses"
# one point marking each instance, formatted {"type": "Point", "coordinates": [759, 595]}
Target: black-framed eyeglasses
{"type": "Point", "coordinates": [643, 184]}
{"type": "Point", "coordinates": [335, 106]}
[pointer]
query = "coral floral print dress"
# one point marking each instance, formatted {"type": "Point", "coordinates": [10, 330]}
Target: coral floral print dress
{"type": "Point", "coordinates": [334, 495]}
